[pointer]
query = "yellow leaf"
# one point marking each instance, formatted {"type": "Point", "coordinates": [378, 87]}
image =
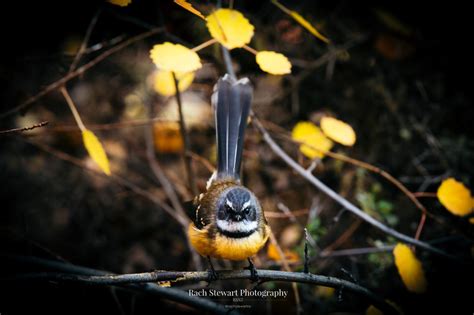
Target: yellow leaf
{"type": "Point", "coordinates": [175, 57]}
{"type": "Point", "coordinates": [168, 137]}
{"type": "Point", "coordinates": [121, 3]}
{"type": "Point", "coordinates": [338, 131]}
{"type": "Point", "coordinates": [272, 62]}
{"type": "Point", "coordinates": [188, 6]}
{"type": "Point", "coordinates": [164, 82]}
{"type": "Point", "coordinates": [95, 150]}
{"type": "Point", "coordinates": [315, 142]}
{"type": "Point", "coordinates": [290, 256]}
{"type": "Point", "coordinates": [409, 268]}
{"type": "Point", "coordinates": [302, 21]}
{"type": "Point", "coordinates": [164, 284]}
{"type": "Point", "coordinates": [230, 28]}
{"type": "Point", "coordinates": [455, 197]}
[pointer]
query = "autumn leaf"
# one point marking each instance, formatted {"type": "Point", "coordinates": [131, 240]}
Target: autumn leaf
{"type": "Point", "coordinates": [273, 254]}
{"type": "Point", "coordinates": [315, 142]}
{"type": "Point", "coordinates": [455, 197]}
{"type": "Point", "coordinates": [301, 20]}
{"type": "Point", "coordinates": [168, 137]}
{"type": "Point", "coordinates": [120, 3]}
{"type": "Point", "coordinates": [230, 28]}
{"type": "Point", "coordinates": [188, 6]}
{"type": "Point", "coordinates": [409, 268]}
{"type": "Point", "coordinates": [338, 131]}
{"type": "Point", "coordinates": [164, 82]}
{"type": "Point", "coordinates": [95, 150]}
{"type": "Point", "coordinates": [273, 63]}
{"type": "Point", "coordinates": [174, 57]}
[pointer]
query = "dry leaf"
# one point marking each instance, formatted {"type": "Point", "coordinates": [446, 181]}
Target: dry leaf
{"type": "Point", "coordinates": [301, 20]}
{"type": "Point", "coordinates": [168, 137]}
{"type": "Point", "coordinates": [409, 268]}
{"type": "Point", "coordinates": [175, 57]}
{"type": "Point", "coordinates": [338, 131]}
{"type": "Point", "coordinates": [273, 254]}
{"type": "Point", "coordinates": [120, 3]}
{"type": "Point", "coordinates": [188, 6]}
{"type": "Point", "coordinates": [272, 62]}
{"type": "Point", "coordinates": [96, 151]}
{"type": "Point", "coordinates": [316, 142]}
{"type": "Point", "coordinates": [230, 28]}
{"type": "Point", "coordinates": [455, 197]}
{"type": "Point", "coordinates": [164, 82]}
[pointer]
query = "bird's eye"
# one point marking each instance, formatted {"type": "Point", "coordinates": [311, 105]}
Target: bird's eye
{"type": "Point", "coordinates": [247, 211]}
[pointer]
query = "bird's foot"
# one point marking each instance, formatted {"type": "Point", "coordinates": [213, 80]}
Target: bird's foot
{"type": "Point", "coordinates": [253, 271]}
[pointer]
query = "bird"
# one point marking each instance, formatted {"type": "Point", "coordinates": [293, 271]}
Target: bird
{"type": "Point", "coordinates": [229, 221]}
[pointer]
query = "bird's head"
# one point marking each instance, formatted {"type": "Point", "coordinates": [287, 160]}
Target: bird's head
{"type": "Point", "coordinates": [238, 212]}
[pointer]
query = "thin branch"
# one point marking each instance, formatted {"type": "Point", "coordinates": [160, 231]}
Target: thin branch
{"type": "Point", "coordinates": [172, 294]}
{"type": "Point", "coordinates": [421, 224]}
{"type": "Point", "coordinates": [182, 126]}
{"type": "Point", "coordinates": [193, 276]}
{"type": "Point", "coordinates": [73, 109]}
{"type": "Point", "coordinates": [372, 168]}
{"type": "Point", "coordinates": [340, 200]}
{"type": "Point", "coordinates": [165, 182]}
{"type": "Point", "coordinates": [57, 84]}
{"type": "Point", "coordinates": [111, 126]}
{"type": "Point", "coordinates": [159, 174]}
{"type": "Point", "coordinates": [15, 130]}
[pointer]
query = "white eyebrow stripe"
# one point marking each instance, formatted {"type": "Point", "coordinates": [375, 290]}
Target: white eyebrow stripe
{"type": "Point", "coordinates": [229, 203]}
{"type": "Point", "coordinates": [246, 204]}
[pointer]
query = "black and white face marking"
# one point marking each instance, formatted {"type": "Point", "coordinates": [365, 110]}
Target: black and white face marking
{"type": "Point", "coordinates": [238, 211]}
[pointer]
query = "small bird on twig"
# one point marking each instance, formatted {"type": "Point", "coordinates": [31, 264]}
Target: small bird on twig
{"type": "Point", "coordinates": [229, 222]}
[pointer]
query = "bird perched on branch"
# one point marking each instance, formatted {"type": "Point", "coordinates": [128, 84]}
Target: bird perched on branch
{"type": "Point", "coordinates": [229, 222]}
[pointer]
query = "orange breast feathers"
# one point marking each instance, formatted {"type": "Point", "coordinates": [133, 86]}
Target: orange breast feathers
{"type": "Point", "coordinates": [221, 246]}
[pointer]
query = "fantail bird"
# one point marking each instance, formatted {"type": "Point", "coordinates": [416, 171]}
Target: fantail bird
{"type": "Point", "coordinates": [229, 221]}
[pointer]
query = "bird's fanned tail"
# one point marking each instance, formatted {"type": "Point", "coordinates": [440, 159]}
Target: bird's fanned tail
{"type": "Point", "coordinates": [231, 101]}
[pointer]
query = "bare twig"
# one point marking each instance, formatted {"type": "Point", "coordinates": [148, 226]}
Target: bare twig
{"type": "Point", "coordinates": [57, 84]}
{"type": "Point", "coordinates": [342, 201]}
{"type": "Point", "coordinates": [73, 108]}
{"type": "Point", "coordinates": [15, 130]}
{"type": "Point", "coordinates": [168, 293]}
{"type": "Point", "coordinates": [111, 126]}
{"type": "Point", "coordinates": [182, 126]}
{"type": "Point", "coordinates": [165, 182]}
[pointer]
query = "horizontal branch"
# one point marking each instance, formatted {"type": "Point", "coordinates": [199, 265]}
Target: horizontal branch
{"type": "Point", "coordinates": [342, 201]}
{"type": "Point", "coordinates": [181, 276]}
{"type": "Point", "coordinates": [71, 270]}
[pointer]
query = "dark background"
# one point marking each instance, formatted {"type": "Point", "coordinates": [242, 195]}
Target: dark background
{"type": "Point", "coordinates": [103, 226]}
